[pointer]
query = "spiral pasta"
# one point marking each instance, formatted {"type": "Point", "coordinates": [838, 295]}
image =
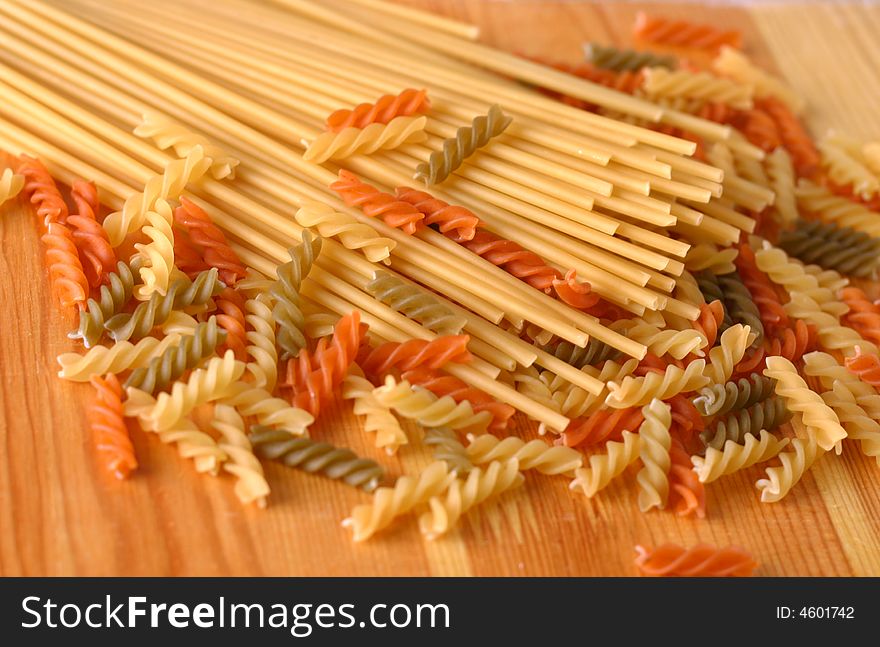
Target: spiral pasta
{"type": "Point", "coordinates": [625, 60]}
{"type": "Point", "coordinates": [467, 140]}
{"type": "Point", "coordinates": [230, 315]}
{"type": "Point", "coordinates": [863, 315]}
{"type": "Point", "coordinates": [845, 168]}
{"type": "Point", "coordinates": [512, 258]}
{"type": "Point", "coordinates": [663, 83]}
{"type": "Point", "coordinates": [374, 203]}
{"type": "Point", "coordinates": [285, 291]}
{"type": "Point", "coordinates": [262, 365]}
{"type": "Point", "coordinates": [601, 426]}
{"type": "Point", "coordinates": [865, 365]}
{"type": "Point", "coordinates": [449, 449]}
{"type": "Point", "coordinates": [780, 172]}
{"type": "Point", "coordinates": [574, 401]}
{"type": "Point", "coordinates": [687, 495]}
{"type": "Point", "coordinates": [740, 306]}
{"type": "Point", "coordinates": [736, 65]}
{"type": "Point", "coordinates": [761, 289]}
{"type": "Point", "coordinates": [724, 357]}
{"type": "Point", "coordinates": [702, 560]}
{"type": "Point", "coordinates": [448, 218]}
{"type": "Point", "coordinates": [832, 335]}
{"type": "Point", "coordinates": [107, 421]}
{"type": "Point", "coordinates": [793, 465]}
{"type": "Point", "coordinates": [11, 184]}
{"type": "Point", "coordinates": [42, 192]}
{"type": "Point", "coordinates": [666, 31]}
{"type": "Point", "coordinates": [69, 282]}
{"type": "Point", "coordinates": [117, 358]}
{"type": "Point", "coordinates": [316, 457]}
{"type": "Point", "coordinates": [677, 343]}
{"type": "Point", "coordinates": [533, 455]}
{"type": "Point", "coordinates": [251, 401]}
{"type": "Point", "coordinates": [603, 468]}
{"type": "Point", "coordinates": [210, 239]}
{"type": "Point", "coordinates": [363, 141]}
{"type": "Point", "coordinates": [96, 254]}
{"type": "Point", "coordinates": [251, 485]}
{"type": "Point", "coordinates": [377, 417]}
{"type": "Point", "coordinates": [158, 254]}
{"type": "Point", "coordinates": [654, 444]}
{"type": "Point", "coordinates": [794, 136]}
{"type": "Point", "coordinates": [352, 234]}
{"type": "Point", "coordinates": [821, 203]}
{"type": "Point", "coordinates": [734, 457]}
{"type": "Point", "coordinates": [194, 443]}
{"type": "Point", "coordinates": [167, 133]}
{"type": "Point", "coordinates": [416, 303]}
{"type": "Point", "coordinates": [854, 419]}
{"type": "Point", "coordinates": [427, 409]}
{"type": "Point", "coordinates": [391, 502]}
{"type": "Point", "coordinates": [705, 256]}
{"type": "Point", "coordinates": [768, 414]}
{"type": "Point", "coordinates": [718, 399]}
{"type": "Point", "coordinates": [532, 384]}
{"type": "Point", "coordinates": [832, 246]}
{"type": "Point", "coordinates": [386, 108]}
{"type": "Point", "coordinates": [639, 391]}
{"type": "Point", "coordinates": [463, 495]}
{"type": "Point", "coordinates": [593, 353]}
{"type": "Point", "coordinates": [416, 353]}
{"type": "Point", "coordinates": [710, 322]}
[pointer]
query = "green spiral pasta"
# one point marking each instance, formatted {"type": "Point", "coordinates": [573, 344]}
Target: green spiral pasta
{"type": "Point", "coordinates": [740, 306]}
{"type": "Point", "coordinates": [625, 60]}
{"type": "Point", "coordinates": [112, 299]}
{"type": "Point", "coordinates": [719, 399]}
{"type": "Point", "coordinates": [595, 352]}
{"type": "Point", "coordinates": [448, 448]}
{"type": "Point", "coordinates": [767, 415]}
{"type": "Point", "coordinates": [710, 287]}
{"type": "Point", "coordinates": [316, 457]}
{"type": "Point", "coordinates": [175, 361]}
{"type": "Point", "coordinates": [465, 143]}
{"type": "Point", "coordinates": [416, 303]}
{"type": "Point", "coordinates": [285, 291]}
{"type": "Point", "coordinates": [833, 247]}
{"type": "Point", "coordinates": [181, 293]}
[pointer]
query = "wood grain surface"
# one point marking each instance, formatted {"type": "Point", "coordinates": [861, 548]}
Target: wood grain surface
{"type": "Point", "coordinates": [60, 514]}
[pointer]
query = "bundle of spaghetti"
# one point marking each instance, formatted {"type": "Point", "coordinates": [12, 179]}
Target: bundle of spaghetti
{"type": "Point", "coordinates": [230, 304]}
{"type": "Point", "coordinates": [844, 167]}
{"type": "Point", "coordinates": [683, 33]}
{"type": "Point", "coordinates": [251, 485]}
{"type": "Point", "coordinates": [447, 447]}
{"type": "Point", "coordinates": [209, 239]}
{"type": "Point", "coordinates": [724, 357]}
{"type": "Point", "coordinates": [858, 424]}
{"type": "Point", "coordinates": [377, 417]}
{"type": "Point", "coordinates": [819, 202]}
{"type": "Point", "coordinates": [831, 246]}
{"type": "Point", "coordinates": [395, 213]}
{"type": "Point", "coordinates": [793, 465]}
{"type": "Point", "coordinates": [639, 391]}
{"type": "Point", "coordinates": [794, 136]}
{"type": "Point", "coordinates": [262, 365]}
{"type": "Point", "coordinates": [740, 306]}
{"type": "Point", "coordinates": [706, 256]}
{"type": "Point", "coordinates": [575, 402]}
{"type": "Point", "coordinates": [866, 365]}
{"type": "Point", "coordinates": [595, 352]}
{"type": "Point", "coordinates": [654, 445]}
{"type": "Point", "coordinates": [352, 234]}
{"type": "Point", "coordinates": [660, 82]}
{"type": "Point", "coordinates": [11, 184]}
{"type": "Point", "coordinates": [686, 492]}
{"type": "Point", "coordinates": [710, 322]}
{"type": "Point", "coordinates": [427, 409]}
{"type": "Point", "coordinates": [761, 290]}
{"type": "Point", "coordinates": [601, 426]}
{"type": "Point", "coordinates": [285, 292]}
{"type": "Point", "coordinates": [821, 422]}
{"type": "Point", "coordinates": [702, 560]}
{"type": "Point", "coordinates": [625, 60]}
{"type": "Point", "coordinates": [316, 457]}
{"type": "Point", "coordinates": [42, 192]}
{"type": "Point", "coordinates": [318, 375]}
{"type": "Point", "coordinates": [459, 220]}
{"type": "Point", "coordinates": [719, 399]}
{"type": "Point", "coordinates": [157, 255]}
{"type": "Point", "coordinates": [389, 503]}
{"type": "Point", "coordinates": [461, 391]}
{"type": "Point", "coordinates": [736, 65]}
{"type": "Point", "coordinates": [166, 133]}
{"type": "Point", "coordinates": [409, 102]}
{"type": "Point", "coordinates": [96, 254]}
{"type": "Point", "coordinates": [467, 140]}
{"type": "Point", "coordinates": [768, 414]}
{"type": "Point", "coordinates": [416, 303]}
{"type": "Point", "coordinates": [863, 315]}
{"type": "Point", "coordinates": [462, 495]}
{"type": "Point", "coordinates": [604, 468]}
{"type": "Point", "coordinates": [176, 360]}
{"type": "Point", "coordinates": [167, 185]}
{"type": "Point", "coordinates": [364, 141]}
{"type": "Point", "coordinates": [416, 353]}
{"type": "Point", "coordinates": [118, 358]}
{"type": "Point", "coordinates": [148, 314]}
{"type": "Point", "coordinates": [107, 420]}
{"type": "Point", "coordinates": [735, 457]}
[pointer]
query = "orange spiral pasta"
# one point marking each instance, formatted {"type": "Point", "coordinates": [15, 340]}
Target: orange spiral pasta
{"type": "Point", "coordinates": [416, 353]}
{"type": "Point", "coordinates": [374, 203]}
{"type": "Point", "coordinates": [686, 420]}
{"type": "Point", "coordinates": [683, 33]}
{"type": "Point", "coordinates": [687, 495]}
{"type": "Point", "coordinates": [702, 560]}
{"type": "Point", "coordinates": [460, 391]}
{"type": "Point", "coordinates": [847, 191]}
{"type": "Point", "coordinates": [205, 235]}
{"type": "Point", "coordinates": [42, 191]}
{"type": "Point", "coordinates": [601, 426]}
{"type": "Point", "coordinates": [512, 258]}
{"type": "Point", "coordinates": [96, 254]}
{"type": "Point", "coordinates": [387, 107]}
{"type": "Point", "coordinates": [651, 363]}
{"type": "Point", "coordinates": [759, 128]}
{"type": "Point", "coordinates": [762, 289]}
{"type": "Point", "coordinates": [577, 295]}
{"type": "Point", "coordinates": [720, 113]}
{"type": "Point", "coordinates": [107, 421]}
{"type": "Point", "coordinates": [794, 136]}
{"type": "Point", "coordinates": [230, 304]}
{"type": "Point", "coordinates": [454, 218]}
{"type": "Point", "coordinates": [188, 259]}
{"type": "Point", "coordinates": [866, 366]}
{"type": "Point", "coordinates": [710, 320]}
{"type": "Point", "coordinates": [69, 282]}
{"type": "Point", "coordinates": [863, 315]}
{"type": "Point", "coordinates": [791, 343]}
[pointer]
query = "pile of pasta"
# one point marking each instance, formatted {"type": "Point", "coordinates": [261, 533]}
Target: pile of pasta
{"type": "Point", "coordinates": [301, 203]}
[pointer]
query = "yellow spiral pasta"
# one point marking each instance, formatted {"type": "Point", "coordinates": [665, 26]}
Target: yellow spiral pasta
{"type": "Point", "coordinates": [654, 444]}
{"type": "Point", "coordinates": [871, 156]}
{"type": "Point", "coordinates": [167, 185]}
{"type": "Point", "coordinates": [728, 353]}
{"type": "Point", "coordinates": [575, 402]}
{"type": "Point", "coordinates": [844, 167]}
{"type": "Point", "coordinates": [194, 443]}
{"type": "Point", "coordinates": [639, 391]}
{"type": "Point", "coordinates": [828, 279]}
{"type": "Point", "coordinates": [832, 335]}
{"type": "Point", "coordinates": [462, 495]}
{"type": "Point", "coordinates": [704, 256]}
{"type": "Point", "coordinates": [604, 468]}
{"type": "Point", "coordinates": [391, 502]}
{"type": "Point", "coordinates": [677, 343]}
{"type": "Point", "coordinates": [793, 465]}
{"type": "Point", "coordinates": [533, 455]}
{"type": "Point", "coordinates": [378, 418]}
{"type": "Point", "coordinates": [262, 365]}
{"type": "Point", "coordinates": [346, 229]}
{"type": "Point", "coordinates": [11, 185]}
{"type": "Point", "coordinates": [158, 254]}
{"type": "Point", "coordinates": [734, 457]}
{"type": "Point", "coordinates": [780, 172]}
{"type": "Point", "coordinates": [819, 419]}
{"type": "Point", "coordinates": [528, 381]}
{"type": "Point", "coordinates": [250, 485]}
{"type": "Point", "coordinates": [821, 203]}
{"type": "Point", "coordinates": [733, 63]}
{"type": "Point", "coordinates": [252, 401]}
{"type": "Point", "coordinates": [121, 356]}
{"type": "Point", "coordinates": [363, 141]}
{"type": "Point", "coordinates": [427, 409]}
{"type": "Point", "coordinates": [660, 82]}
{"type": "Point", "coordinates": [167, 133]}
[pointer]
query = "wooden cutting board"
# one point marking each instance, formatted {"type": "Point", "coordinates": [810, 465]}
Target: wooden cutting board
{"type": "Point", "coordinates": [60, 514]}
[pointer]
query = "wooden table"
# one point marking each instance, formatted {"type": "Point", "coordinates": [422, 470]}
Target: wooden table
{"type": "Point", "coordinates": [60, 514]}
